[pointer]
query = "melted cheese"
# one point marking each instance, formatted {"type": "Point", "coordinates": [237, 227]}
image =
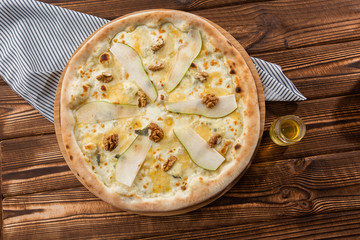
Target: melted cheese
{"type": "Point", "coordinates": [115, 93]}
{"type": "Point", "coordinates": [151, 180]}
{"type": "Point", "coordinates": [161, 181]}
{"type": "Point", "coordinates": [204, 131]}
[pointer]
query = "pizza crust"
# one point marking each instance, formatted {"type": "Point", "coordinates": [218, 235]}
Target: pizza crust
{"type": "Point", "coordinates": [242, 150]}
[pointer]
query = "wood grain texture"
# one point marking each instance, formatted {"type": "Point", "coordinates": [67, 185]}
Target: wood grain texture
{"type": "Point", "coordinates": [259, 26]}
{"type": "Point", "coordinates": [333, 125]}
{"type": "Point", "coordinates": [2, 82]}
{"type": "Point", "coordinates": [269, 191]}
{"type": "Point", "coordinates": [34, 164]}
{"type": "Point", "coordinates": [321, 71]}
{"type": "Point", "coordinates": [323, 226]}
{"type": "Point", "coordinates": [128, 5]}
{"type": "Point", "coordinates": [276, 25]}
{"type": "Point", "coordinates": [18, 118]}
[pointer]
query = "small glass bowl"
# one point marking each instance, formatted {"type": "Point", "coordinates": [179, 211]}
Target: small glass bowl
{"type": "Point", "coordinates": [287, 130]}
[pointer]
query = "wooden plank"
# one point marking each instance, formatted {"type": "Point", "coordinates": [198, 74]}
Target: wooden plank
{"type": "Point", "coordinates": [321, 71]}
{"type": "Point", "coordinates": [333, 125]}
{"type": "Point", "coordinates": [343, 225]}
{"type": "Point", "coordinates": [18, 118]}
{"type": "Point", "coordinates": [284, 24]}
{"type": "Point", "coordinates": [260, 26]}
{"type": "Point", "coordinates": [2, 82]}
{"type": "Point", "coordinates": [112, 9]}
{"type": "Point", "coordinates": [269, 191]}
{"type": "Point", "coordinates": [34, 164]}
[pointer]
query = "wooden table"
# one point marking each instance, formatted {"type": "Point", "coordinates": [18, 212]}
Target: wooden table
{"type": "Point", "coordinates": [308, 190]}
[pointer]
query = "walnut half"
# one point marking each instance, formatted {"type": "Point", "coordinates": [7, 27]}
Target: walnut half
{"type": "Point", "coordinates": [105, 77]}
{"type": "Point", "coordinates": [159, 43]}
{"type": "Point", "coordinates": [142, 99]}
{"type": "Point", "coordinates": [201, 76]}
{"type": "Point", "coordinates": [156, 67]}
{"type": "Point", "coordinates": [110, 142]}
{"type": "Point", "coordinates": [210, 100]}
{"type": "Point", "coordinates": [169, 163]}
{"type": "Point", "coordinates": [216, 139]}
{"type": "Point", "coordinates": [156, 132]}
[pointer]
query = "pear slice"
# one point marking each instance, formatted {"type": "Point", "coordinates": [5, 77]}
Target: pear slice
{"type": "Point", "coordinates": [184, 57]}
{"type": "Point", "coordinates": [198, 149]}
{"type": "Point", "coordinates": [132, 63]}
{"type": "Point", "coordinates": [100, 111]}
{"type": "Point", "coordinates": [131, 160]}
{"type": "Point", "coordinates": [225, 106]}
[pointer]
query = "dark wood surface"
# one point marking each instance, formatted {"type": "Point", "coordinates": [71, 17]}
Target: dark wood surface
{"type": "Point", "coordinates": [310, 190]}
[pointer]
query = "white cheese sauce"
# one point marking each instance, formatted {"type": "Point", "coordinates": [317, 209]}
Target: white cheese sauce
{"type": "Point", "coordinates": [151, 180]}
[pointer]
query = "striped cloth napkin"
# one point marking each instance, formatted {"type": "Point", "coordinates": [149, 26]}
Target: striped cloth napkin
{"type": "Point", "coordinates": [37, 39]}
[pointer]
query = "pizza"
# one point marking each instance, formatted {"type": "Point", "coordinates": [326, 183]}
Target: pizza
{"type": "Point", "coordinates": [159, 112]}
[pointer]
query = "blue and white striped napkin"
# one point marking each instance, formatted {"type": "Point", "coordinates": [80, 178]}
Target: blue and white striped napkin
{"type": "Point", "coordinates": [37, 39]}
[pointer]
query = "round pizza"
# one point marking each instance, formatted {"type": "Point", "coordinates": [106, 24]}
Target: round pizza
{"type": "Point", "coordinates": [159, 112]}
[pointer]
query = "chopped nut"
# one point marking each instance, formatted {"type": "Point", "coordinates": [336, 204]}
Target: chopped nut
{"type": "Point", "coordinates": [210, 100]}
{"type": "Point", "coordinates": [201, 76]}
{"type": "Point", "coordinates": [156, 132]}
{"type": "Point", "coordinates": [105, 77]}
{"type": "Point", "coordinates": [106, 74]}
{"type": "Point", "coordinates": [142, 99]}
{"type": "Point", "coordinates": [169, 163]}
{"type": "Point", "coordinates": [162, 97]}
{"type": "Point", "coordinates": [159, 43]}
{"type": "Point", "coordinates": [156, 67]}
{"type": "Point", "coordinates": [111, 142]}
{"type": "Point", "coordinates": [216, 139]}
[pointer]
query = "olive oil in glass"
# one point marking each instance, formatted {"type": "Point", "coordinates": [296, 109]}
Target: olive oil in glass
{"type": "Point", "coordinates": [287, 130]}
